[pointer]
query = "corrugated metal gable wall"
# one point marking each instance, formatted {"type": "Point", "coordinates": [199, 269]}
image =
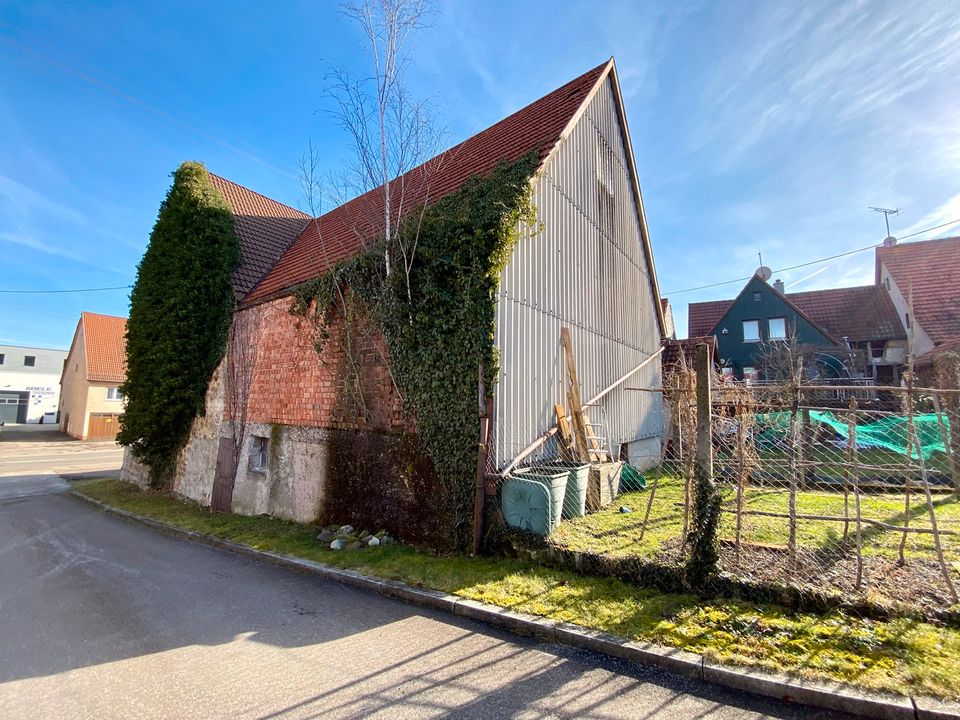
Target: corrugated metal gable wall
{"type": "Point", "coordinates": [575, 274]}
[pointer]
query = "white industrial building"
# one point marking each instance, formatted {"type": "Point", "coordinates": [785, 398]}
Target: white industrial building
{"type": "Point", "coordinates": [29, 383]}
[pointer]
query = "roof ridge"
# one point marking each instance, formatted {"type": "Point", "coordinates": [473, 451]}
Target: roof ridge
{"type": "Point", "coordinates": [260, 194]}
{"type": "Point", "coordinates": [914, 243]}
{"type": "Point", "coordinates": [450, 155]}
{"type": "Point", "coordinates": [90, 312]}
{"type": "Point", "coordinates": [469, 138]}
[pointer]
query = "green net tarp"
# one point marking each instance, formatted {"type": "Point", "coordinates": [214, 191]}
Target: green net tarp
{"type": "Point", "coordinates": [891, 433]}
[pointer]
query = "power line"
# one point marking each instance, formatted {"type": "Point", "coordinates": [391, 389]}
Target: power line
{"type": "Point", "coordinates": [936, 227]}
{"type": "Point", "coordinates": [812, 262]}
{"type": "Point", "coordinates": [81, 290]}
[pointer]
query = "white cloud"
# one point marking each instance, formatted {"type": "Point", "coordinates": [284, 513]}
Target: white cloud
{"type": "Point", "coordinates": [796, 64]}
{"type": "Point", "coordinates": [947, 212]}
{"type": "Point", "coordinates": [21, 201]}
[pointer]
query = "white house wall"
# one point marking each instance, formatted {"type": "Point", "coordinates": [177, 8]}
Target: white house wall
{"type": "Point", "coordinates": [921, 341]}
{"type": "Point", "coordinates": [571, 274]}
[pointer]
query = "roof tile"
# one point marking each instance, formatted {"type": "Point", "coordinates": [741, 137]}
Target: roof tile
{"type": "Point", "coordinates": [932, 269]}
{"type": "Point", "coordinates": [857, 313]}
{"type": "Point", "coordinates": [105, 342]}
{"type": "Point", "coordinates": [340, 233]}
{"type": "Point", "coordinates": [264, 227]}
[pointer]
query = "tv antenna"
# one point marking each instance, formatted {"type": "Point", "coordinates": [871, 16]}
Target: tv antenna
{"type": "Point", "coordinates": [887, 212]}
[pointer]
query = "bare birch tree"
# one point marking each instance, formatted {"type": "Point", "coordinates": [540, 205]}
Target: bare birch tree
{"type": "Point", "coordinates": [391, 132]}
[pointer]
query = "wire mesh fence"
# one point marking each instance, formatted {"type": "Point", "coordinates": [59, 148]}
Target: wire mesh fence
{"type": "Point", "coordinates": [850, 491]}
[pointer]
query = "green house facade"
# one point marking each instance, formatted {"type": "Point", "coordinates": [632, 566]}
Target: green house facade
{"type": "Point", "coordinates": [850, 333]}
{"type": "Point", "coordinates": [759, 316]}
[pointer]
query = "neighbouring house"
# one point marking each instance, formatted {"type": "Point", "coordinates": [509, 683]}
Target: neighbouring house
{"type": "Point", "coordinates": [303, 452]}
{"type": "Point", "coordinates": [851, 333]}
{"type": "Point", "coordinates": [29, 390]}
{"type": "Point", "coordinates": [929, 273]}
{"type": "Point", "coordinates": [91, 401]}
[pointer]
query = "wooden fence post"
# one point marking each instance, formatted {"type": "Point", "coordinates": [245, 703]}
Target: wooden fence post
{"type": "Point", "coordinates": [704, 412]}
{"type": "Point", "coordinates": [485, 412]}
{"type": "Point", "coordinates": [704, 556]}
{"type": "Point", "coordinates": [855, 457]}
{"type": "Point", "coordinates": [947, 445]}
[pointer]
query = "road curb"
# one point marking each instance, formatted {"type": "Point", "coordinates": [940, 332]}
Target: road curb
{"type": "Point", "coordinates": [831, 696]}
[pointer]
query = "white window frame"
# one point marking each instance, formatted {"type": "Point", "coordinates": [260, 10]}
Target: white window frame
{"type": "Point", "coordinates": [114, 394]}
{"type": "Point", "coordinates": [743, 326]}
{"type": "Point", "coordinates": [770, 332]}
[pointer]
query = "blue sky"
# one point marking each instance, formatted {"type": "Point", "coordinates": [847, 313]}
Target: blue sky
{"type": "Point", "coordinates": [755, 124]}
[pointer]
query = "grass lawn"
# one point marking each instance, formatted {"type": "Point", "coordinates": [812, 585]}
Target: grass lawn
{"type": "Point", "coordinates": [832, 462]}
{"type": "Point", "coordinates": [610, 532]}
{"type": "Point", "coordinates": [902, 656]}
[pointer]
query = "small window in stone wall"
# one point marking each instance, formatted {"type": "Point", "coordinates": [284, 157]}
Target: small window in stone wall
{"type": "Point", "coordinates": [259, 448]}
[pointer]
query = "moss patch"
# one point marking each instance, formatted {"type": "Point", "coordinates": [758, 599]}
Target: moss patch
{"type": "Point", "coordinates": [902, 656]}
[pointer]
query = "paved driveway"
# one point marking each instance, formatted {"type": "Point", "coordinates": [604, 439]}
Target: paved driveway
{"type": "Point", "coordinates": [101, 618]}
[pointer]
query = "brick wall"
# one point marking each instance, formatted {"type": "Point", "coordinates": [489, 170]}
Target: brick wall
{"type": "Point", "coordinates": [292, 385]}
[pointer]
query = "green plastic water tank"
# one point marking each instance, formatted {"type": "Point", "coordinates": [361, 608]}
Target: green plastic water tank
{"type": "Point", "coordinates": [554, 479]}
{"type": "Point", "coordinates": [526, 505]}
{"type": "Point", "coordinates": [575, 497]}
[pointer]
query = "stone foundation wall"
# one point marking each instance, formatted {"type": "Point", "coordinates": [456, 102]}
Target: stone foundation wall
{"type": "Point", "coordinates": [292, 486]}
{"type": "Point", "coordinates": [197, 460]}
{"type": "Point", "coordinates": [132, 471]}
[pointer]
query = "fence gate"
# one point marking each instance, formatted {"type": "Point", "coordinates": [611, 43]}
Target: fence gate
{"type": "Point", "coordinates": [223, 478]}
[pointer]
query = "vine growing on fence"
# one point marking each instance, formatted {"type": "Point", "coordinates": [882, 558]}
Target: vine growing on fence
{"type": "Point", "coordinates": [437, 321]}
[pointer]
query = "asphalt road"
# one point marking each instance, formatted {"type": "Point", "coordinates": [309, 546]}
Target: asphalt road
{"type": "Point", "coordinates": [43, 450]}
{"type": "Point", "coordinates": [102, 618]}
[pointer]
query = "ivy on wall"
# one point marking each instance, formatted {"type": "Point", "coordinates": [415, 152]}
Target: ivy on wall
{"type": "Point", "coordinates": [438, 323]}
{"type": "Point", "coordinates": [180, 310]}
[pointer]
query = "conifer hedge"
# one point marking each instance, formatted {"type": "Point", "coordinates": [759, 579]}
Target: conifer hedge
{"type": "Point", "coordinates": [180, 310]}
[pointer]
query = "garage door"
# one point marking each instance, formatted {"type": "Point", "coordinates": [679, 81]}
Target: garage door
{"type": "Point", "coordinates": [103, 426]}
{"type": "Point", "coordinates": [9, 407]}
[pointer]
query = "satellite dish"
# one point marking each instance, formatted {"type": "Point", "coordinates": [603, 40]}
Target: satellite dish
{"type": "Point", "coordinates": [889, 241]}
{"type": "Point", "coordinates": [764, 272]}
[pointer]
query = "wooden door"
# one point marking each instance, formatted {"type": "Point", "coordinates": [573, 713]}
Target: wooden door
{"type": "Point", "coordinates": [103, 426]}
{"type": "Point", "coordinates": [222, 497]}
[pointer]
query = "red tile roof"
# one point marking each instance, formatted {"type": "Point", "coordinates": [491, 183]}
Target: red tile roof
{"type": "Point", "coordinates": [340, 233]}
{"type": "Point", "coordinates": [702, 317]}
{"type": "Point", "coordinates": [950, 345]}
{"type": "Point", "coordinates": [932, 268]}
{"type": "Point", "coordinates": [858, 313]}
{"type": "Point", "coordinates": [104, 339]}
{"type": "Point", "coordinates": [264, 227]}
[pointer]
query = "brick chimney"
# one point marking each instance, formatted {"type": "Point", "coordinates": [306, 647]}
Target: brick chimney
{"type": "Point", "coordinates": [778, 286]}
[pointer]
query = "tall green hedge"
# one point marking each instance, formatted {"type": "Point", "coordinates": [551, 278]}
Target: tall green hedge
{"type": "Point", "coordinates": [180, 311]}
